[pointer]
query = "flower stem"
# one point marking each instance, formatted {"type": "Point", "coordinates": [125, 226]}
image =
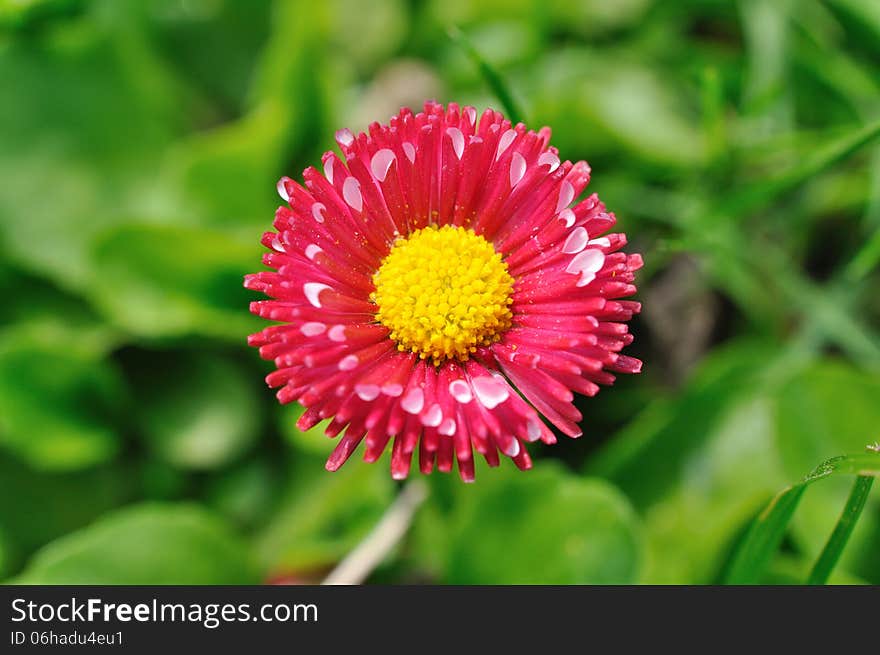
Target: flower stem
{"type": "Point", "coordinates": [370, 552]}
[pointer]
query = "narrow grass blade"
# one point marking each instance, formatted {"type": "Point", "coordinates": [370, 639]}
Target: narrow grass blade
{"type": "Point", "coordinates": [755, 197]}
{"type": "Point", "coordinates": [751, 558]}
{"type": "Point", "coordinates": [866, 259]}
{"type": "Point", "coordinates": [837, 541]}
{"type": "Point", "coordinates": [763, 538]}
{"type": "Point", "coordinates": [492, 77]}
{"type": "Point", "coordinates": [712, 110]}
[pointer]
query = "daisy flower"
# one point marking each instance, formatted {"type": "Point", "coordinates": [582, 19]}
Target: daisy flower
{"type": "Point", "coordinates": [437, 290]}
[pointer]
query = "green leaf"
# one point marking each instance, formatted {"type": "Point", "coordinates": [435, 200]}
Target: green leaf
{"type": "Point", "coordinates": [766, 532]}
{"type": "Point", "coordinates": [809, 409]}
{"type": "Point", "coordinates": [722, 485]}
{"type": "Point", "coordinates": [62, 501]}
{"type": "Point", "coordinates": [543, 527]}
{"type": "Point", "coordinates": [865, 14]}
{"type": "Point", "coordinates": [98, 149]}
{"type": "Point", "coordinates": [763, 539]}
{"type": "Point", "coordinates": [809, 429]}
{"type": "Point", "coordinates": [227, 174]}
{"type": "Point", "coordinates": [842, 531]}
{"type": "Point", "coordinates": [146, 544]}
{"type": "Point", "coordinates": [35, 309]}
{"type": "Point", "coordinates": [196, 410]}
{"type": "Point", "coordinates": [650, 455]}
{"type": "Point", "coordinates": [162, 281]}
{"type": "Point", "coordinates": [59, 406]}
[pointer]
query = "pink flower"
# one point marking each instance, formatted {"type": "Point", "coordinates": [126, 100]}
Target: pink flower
{"type": "Point", "coordinates": [438, 290]}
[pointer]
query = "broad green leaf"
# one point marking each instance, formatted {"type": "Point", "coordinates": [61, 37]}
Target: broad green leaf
{"type": "Point", "coordinates": [196, 410]}
{"type": "Point", "coordinates": [651, 454]}
{"type": "Point", "coordinates": [766, 532]}
{"type": "Point", "coordinates": [62, 501]}
{"type": "Point", "coordinates": [87, 123]}
{"type": "Point", "coordinates": [546, 526]}
{"type": "Point", "coordinates": [35, 309]}
{"type": "Point", "coordinates": [228, 175]}
{"type": "Point", "coordinates": [150, 544]}
{"type": "Point", "coordinates": [722, 485]}
{"type": "Point", "coordinates": [323, 515]}
{"type": "Point", "coordinates": [161, 281]}
{"type": "Point", "coordinates": [810, 408]}
{"type": "Point", "coordinates": [59, 407]}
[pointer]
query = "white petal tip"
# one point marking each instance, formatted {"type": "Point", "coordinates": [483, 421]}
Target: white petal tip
{"type": "Point", "coordinates": [312, 291]}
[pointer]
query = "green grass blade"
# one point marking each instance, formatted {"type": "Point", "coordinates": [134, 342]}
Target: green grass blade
{"type": "Point", "coordinates": [492, 77]}
{"type": "Point", "coordinates": [712, 110]}
{"type": "Point", "coordinates": [865, 261]}
{"type": "Point", "coordinates": [837, 541]}
{"type": "Point", "coordinates": [751, 558]}
{"type": "Point", "coordinates": [759, 195]}
{"type": "Point", "coordinates": [763, 538]}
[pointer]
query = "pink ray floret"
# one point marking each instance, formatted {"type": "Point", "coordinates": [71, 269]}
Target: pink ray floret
{"type": "Point", "coordinates": [443, 167]}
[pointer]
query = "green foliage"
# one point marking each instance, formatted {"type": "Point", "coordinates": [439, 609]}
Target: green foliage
{"type": "Point", "coordinates": [146, 287]}
{"type": "Point", "coordinates": [62, 501]}
{"type": "Point", "coordinates": [58, 407]}
{"type": "Point", "coordinates": [146, 544]}
{"type": "Point", "coordinates": [205, 415]}
{"type": "Point", "coordinates": [321, 517]}
{"type": "Point", "coordinates": [767, 531]}
{"type": "Point", "coordinates": [738, 144]}
{"type": "Point", "coordinates": [502, 531]}
{"type": "Point", "coordinates": [842, 531]}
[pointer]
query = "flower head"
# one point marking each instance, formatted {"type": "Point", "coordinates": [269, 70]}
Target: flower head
{"type": "Point", "coordinates": [439, 291]}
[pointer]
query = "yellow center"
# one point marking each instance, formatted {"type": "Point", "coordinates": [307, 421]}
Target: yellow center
{"type": "Point", "coordinates": [442, 292]}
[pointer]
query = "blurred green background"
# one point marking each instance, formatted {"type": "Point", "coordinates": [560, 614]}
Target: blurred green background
{"type": "Point", "coordinates": [140, 143]}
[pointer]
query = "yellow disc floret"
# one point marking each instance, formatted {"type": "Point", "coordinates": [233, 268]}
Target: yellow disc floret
{"type": "Point", "coordinates": [443, 292]}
